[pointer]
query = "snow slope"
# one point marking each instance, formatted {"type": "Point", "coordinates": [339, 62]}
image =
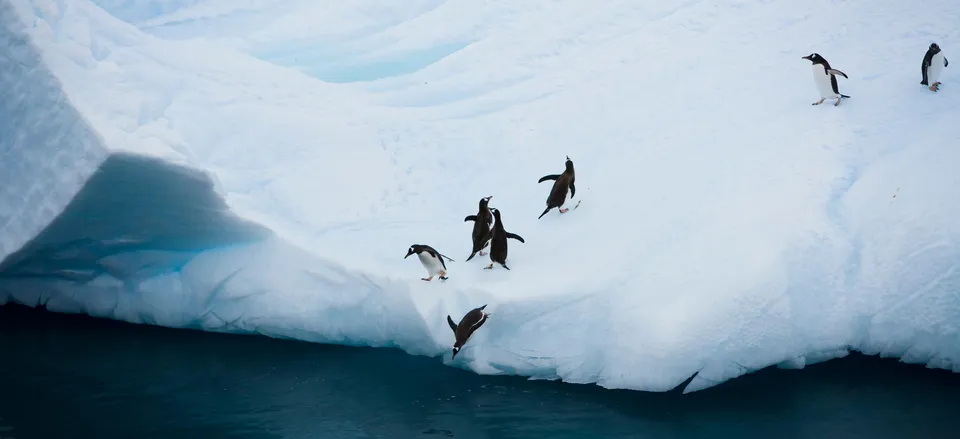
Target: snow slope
{"type": "Point", "coordinates": [262, 166]}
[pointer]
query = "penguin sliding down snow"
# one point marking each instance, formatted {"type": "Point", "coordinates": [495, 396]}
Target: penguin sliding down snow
{"type": "Point", "coordinates": [431, 259]}
{"type": "Point", "coordinates": [498, 241]}
{"type": "Point", "coordinates": [825, 79]}
{"type": "Point", "coordinates": [470, 322]}
{"type": "Point", "coordinates": [481, 226]}
{"type": "Point", "coordinates": [933, 64]}
{"type": "Point", "coordinates": [558, 193]}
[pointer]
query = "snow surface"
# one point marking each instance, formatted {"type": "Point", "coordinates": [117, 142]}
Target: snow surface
{"type": "Point", "coordinates": [262, 166]}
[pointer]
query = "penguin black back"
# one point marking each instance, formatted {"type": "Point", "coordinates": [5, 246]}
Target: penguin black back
{"type": "Point", "coordinates": [498, 241]}
{"type": "Point", "coordinates": [562, 183]}
{"type": "Point", "coordinates": [469, 324]}
{"type": "Point", "coordinates": [481, 226]}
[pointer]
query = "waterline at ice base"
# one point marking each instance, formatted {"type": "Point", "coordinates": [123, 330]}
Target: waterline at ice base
{"type": "Point", "coordinates": [264, 167]}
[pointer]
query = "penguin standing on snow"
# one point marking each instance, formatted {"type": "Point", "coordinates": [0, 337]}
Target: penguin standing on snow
{"type": "Point", "coordinates": [562, 183]}
{"type": "Point", "coordinates": [826, 79]}
{"type": "Point", "coordinates": [933, 64]}
{"type": "Point", "coordinates": [431, 259]}
{"type": "Point", "coordinates": [470, 322]}
{"type": "Point", "coordinates": [481, 226]}
{"type": "Point", "coordinates": [498, 241]}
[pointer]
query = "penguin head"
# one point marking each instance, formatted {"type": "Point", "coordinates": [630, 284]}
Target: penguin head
{"type": "Point", "coordinates": [456, 348]}
{"type": "Point", "coordinates": [569, 164]}
{"type": "Point", "coordinates": [496, 213]}
{"type": "Point", "coordinates": [814, 58]}
{"type": "Point", "coordinates": [413, 249]}
{"type": "Point", "coordinates": [934, 48]}
{"type": "Point", "coordinates": [484, 201]}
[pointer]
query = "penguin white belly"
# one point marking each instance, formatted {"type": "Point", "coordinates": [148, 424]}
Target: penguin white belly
{"type": "Point", "coordinates": [431, 264]}
{"type": "Point", "coordinates": [822, 80]}
{"type": "Point", "coordinates": [936, 66]}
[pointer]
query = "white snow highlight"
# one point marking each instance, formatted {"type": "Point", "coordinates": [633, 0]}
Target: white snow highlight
{"type": "Point", "coordinates": [262, 167]}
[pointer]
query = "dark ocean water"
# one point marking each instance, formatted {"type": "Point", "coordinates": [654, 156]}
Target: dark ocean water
{"type": "Point", "coordinates": [76, 377]}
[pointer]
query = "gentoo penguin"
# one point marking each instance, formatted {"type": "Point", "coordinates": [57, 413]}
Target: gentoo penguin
{"type": "Point", "coordinates": [498, 241]}
{"type": "Point", "coordinates": [558, 194]}
{"type": "Point", "coordinates": [481, 226]}
{"type": "Point", "coordinates": [431, 259]}
{"type": "Point", "coordinates": [933, 64]}
{"type": "Point", "coordinates": [470, 322]}
{"type": "Point", "coordinates": [826, 79]}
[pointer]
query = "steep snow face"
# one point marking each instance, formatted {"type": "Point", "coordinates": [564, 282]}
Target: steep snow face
{"type": "Point", "coordinates": [726, 224]}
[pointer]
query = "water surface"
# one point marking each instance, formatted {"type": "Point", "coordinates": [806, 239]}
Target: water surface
{"type": "Point", "coordinates": [71, 376]}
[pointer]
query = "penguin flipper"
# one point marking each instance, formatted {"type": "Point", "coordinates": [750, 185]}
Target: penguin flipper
{"type": "Point", "coordinates": [470, 218]}
{"type": "Point", "coordinates": [573, 190]}
{"type": "Point", "coordinates": [837, 72]}
{"type": "Point", "coordinates": [945, 62]}
{"type": "Point", "coordinates": [516, 236]}
{"type": "Point", "coordinates": [548, 177]}
{"type": "Point", "coordinates": [453, 326]}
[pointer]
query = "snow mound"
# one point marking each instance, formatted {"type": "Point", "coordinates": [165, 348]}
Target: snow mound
{"type": "Point", "coordinates": [262, 167]}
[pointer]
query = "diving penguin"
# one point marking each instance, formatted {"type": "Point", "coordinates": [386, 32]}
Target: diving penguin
{"type": "Point", "coordinates": [498, 241]}
{"type": "Point", "coordinates": [825, 79]}
{"type": "Point", "coordinates": [558, 193]}
{"type": "Point", "coordinates": [470, 322]}
{"type": "Point", "coordinates": [933, 64]}
{"type": "Point", "coordinates": [481, 226]}
{"type": "Point", "coordinates": [431, 259]}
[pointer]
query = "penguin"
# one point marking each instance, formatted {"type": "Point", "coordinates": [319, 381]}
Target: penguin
{"type": "Point", "coordinates": [558, 194]}
{"type": "Point", "coordinates": [826, 79]}
{"type": "Point", "coordinates": [470, 322]}
{"type": "Point", "coordinates": [933, 64]}
{"type": "Point", "coordinates": [431, 259]}
{"type": "Point", "coordinates": [498, 241]}
{"type": "Point", "coordinates": [481, 226]}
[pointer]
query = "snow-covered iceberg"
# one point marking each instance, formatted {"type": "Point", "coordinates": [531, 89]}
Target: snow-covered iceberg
{"type": "Point", "coordinates": [262, 167]}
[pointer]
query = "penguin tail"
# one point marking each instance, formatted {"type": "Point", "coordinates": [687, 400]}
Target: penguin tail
{"type": "Point", "coordinates": [845, 96]}
{"type": "Point", "coordinates": [544, 212]}
{"type": "Point", "coordinates": [471, 256]}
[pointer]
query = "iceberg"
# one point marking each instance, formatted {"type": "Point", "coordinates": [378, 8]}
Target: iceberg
{"type": "Point", "coordinates": [261, 167]}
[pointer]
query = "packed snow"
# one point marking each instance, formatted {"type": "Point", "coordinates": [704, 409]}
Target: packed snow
{"type": "Point", "coordinates": [263, 166]}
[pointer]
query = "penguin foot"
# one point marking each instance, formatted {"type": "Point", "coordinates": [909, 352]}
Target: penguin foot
{"type": "Point", "coordinates": [838, 102]}
{"type": "Point", "coordinates": [444, 278]}
{"type": "Point", "coordinates": [488, 267]}
{"type": "Point", "coordinates": [564, 210]}
{"type": "Point", "coordinates": [818, 102]}
{"type": "Point", "coordinates": [483, 253]}
{"type": "Point", "coordinates": [935, 86]}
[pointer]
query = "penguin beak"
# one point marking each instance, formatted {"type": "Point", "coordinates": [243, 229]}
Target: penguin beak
{"type": "Point", "coordinates": [806, 57]}
{"type": "Point", "coordinates": [408, 255]}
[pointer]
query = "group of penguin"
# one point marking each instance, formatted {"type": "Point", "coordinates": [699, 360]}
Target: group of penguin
{"type": "Point", "coordinates": [488, 224]}
{"type": "Point", "coordinates": [825, 77]}
{"type": "Point", "coordinates": [488, 230]}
